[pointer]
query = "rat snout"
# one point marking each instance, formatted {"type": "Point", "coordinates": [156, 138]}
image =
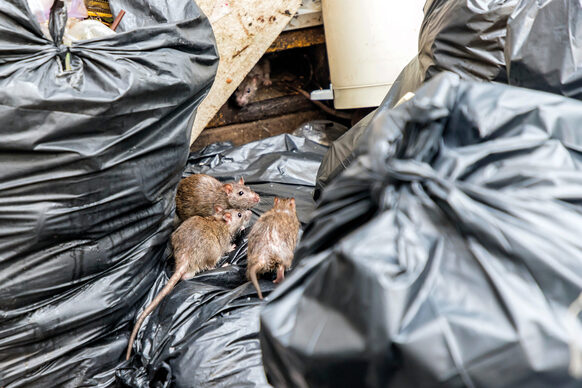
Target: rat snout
{"type": "Point", "coordinates": [256, 198]}
{"type": "Point", "coordinates": [242, 99]}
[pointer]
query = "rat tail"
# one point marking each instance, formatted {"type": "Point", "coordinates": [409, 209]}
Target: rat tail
{"type": "Point", "coordinates": [253, 277]}
{"type": "Point", "coordinates": [180, 271]}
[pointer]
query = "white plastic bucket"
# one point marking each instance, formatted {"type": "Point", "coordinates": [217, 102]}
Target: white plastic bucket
{"type": "Point", "coordinates": [368, 43]}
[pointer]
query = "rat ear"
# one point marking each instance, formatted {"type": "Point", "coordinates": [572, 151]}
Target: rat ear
{"type": "Point", "coordinates": [227, 188]}
{"type": "Point", "coordinates": [292, 203]}
{"type": "Point", "coordinates": [218, 209]}
{"type": "Point", "coordinates": [241, 181]}
{"type": "Point", "coordinates": [227, 217]}
{"type": "Point", "coordinates": [276, 201]}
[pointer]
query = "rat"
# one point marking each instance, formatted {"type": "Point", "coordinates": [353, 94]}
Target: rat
{"type": "Point", "coordinates": [272, 241]}
{"type": "Point", "coordinates": [198, 244]}
{"type": "Point", "coordinates": [261, 73]}
{"type": "Point", "coordinates": [199, 194]}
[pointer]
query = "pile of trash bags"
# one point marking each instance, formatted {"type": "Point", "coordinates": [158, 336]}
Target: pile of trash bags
{"type": "Point", "coordinates": [444, 249]}
{"type": "Point", "coordinates": [93, 142]}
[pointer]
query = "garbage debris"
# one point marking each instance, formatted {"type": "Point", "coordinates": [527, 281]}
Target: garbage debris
{"type": "Point", "coordinates": [76, 12]}
{"type": "Point", "coordinates": [101, 11]}
{"type": "Point", "coordinates": [205, 333]}
{"type": "Point", "coordinates": [41, 9]}
{"type": "Point", "coordinates": [86, 29]}
{"type": "Point", "coordinates": [90, 162]}
{"type": "Point", "coordinates": [447, 254]}
{"type": "Point", "coordinates": [76, 27]}
{"type": "Point", "coordinates": [117, 20]}
{"type": "Point", "coordinates": [443, 250]}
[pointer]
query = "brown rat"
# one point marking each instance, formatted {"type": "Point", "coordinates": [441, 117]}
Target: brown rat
{"type": "Point", "coordinates": [261, 73]}
{"type": "Point", "coordinates": [198, 245]}
{"type": "Point", "coordinates": [272, 241]}
{"type": "Point", "coordinates": [199, 194]}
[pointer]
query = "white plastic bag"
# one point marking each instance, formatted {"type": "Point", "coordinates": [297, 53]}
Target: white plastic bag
{"type": "Point", "coordinates": [41, 9]}
{"type": "Point", "coordinates": [86, 29]}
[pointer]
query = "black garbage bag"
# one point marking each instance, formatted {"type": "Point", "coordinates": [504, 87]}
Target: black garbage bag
{"type": "Point", "coordinates": [466, 37]}
{"type": "Point", "coordinates": [340, 154]}
{"type": "Point", "coordinates": [205, 333]}
{"type": "Point", "coordinates": [543, 50]}
{"type": "Point", "coordinates": [409, 79]}
{"type": "Point", "coordinates": [91, 158]}
{"type": "Point", "coordinates": [447, 255]}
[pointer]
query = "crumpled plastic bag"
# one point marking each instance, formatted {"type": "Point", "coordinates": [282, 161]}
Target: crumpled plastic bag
{"type": "Point", "coordinates": [91, 158]}
{"type": "Point", "coordinates": [543, 50]}
{"type": "Point", "coordinates": [466, 37]}
{"type": "Point", "coordinates": [447, 254]}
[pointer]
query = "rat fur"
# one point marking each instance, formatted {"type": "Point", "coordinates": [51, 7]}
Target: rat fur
{"type": "Point", "coordinates": [272, 241]}
{"type": "Point", "coordinates": [259, 74]}
{"type": "Point", "coordinates": [198, 245]}
{"type": "Point", "coordinates": [199, 194]}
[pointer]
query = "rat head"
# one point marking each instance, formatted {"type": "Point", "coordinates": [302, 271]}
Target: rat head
{"type": "Point", "coordinates": [284, 204]}
{"type": "Point", "coordinates": [246, 91]}
{"type": "Point", "coordinates": [235, 219]}
{"type": "Point", "coordinates": [246, 215]}
{"type": "Point", "coordinates": [240, 196]}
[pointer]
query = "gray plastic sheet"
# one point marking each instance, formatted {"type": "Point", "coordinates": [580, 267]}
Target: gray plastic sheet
{"type": "Point", "coordinates": [90, 158]}
{"type": "Point", "coordinates": [446, 255]}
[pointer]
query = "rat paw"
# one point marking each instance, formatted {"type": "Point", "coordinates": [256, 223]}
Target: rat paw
{"type": "Point", "coordinates": [232, 248]}
{"type": "Point", "coordinates": [267, 82]}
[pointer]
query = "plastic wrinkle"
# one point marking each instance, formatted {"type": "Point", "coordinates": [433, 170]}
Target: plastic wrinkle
{"type": "Point", "coordinates": [87, 192]}
{"type": "Point", "coordinates": [446, 276]}
{"type": "Point", "coordinates": [206, 332]}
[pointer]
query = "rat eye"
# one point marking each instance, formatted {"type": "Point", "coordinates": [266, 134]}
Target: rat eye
{"type": "Point", "coordinates": [248, 90]}
{"type": "Point", "coordinates": [240, 193]}
{"type": "Point", "coordinates": [239, 215]}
